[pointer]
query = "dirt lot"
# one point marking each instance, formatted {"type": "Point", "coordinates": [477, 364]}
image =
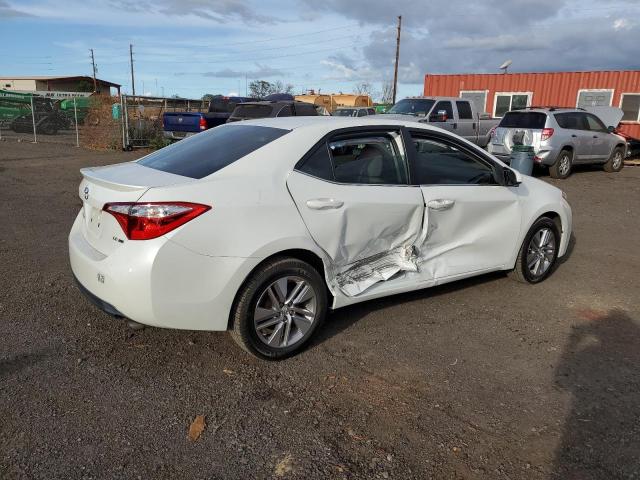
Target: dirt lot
{"type": "Point", "coordinates": [484, 378]}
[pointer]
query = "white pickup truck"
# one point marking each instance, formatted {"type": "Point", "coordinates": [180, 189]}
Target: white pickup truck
{"type": "Point", "coordinates": [457, 115]}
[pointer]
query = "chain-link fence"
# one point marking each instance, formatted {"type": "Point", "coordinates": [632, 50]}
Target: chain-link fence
{"type": "Point", "coordinates": [93, 121]}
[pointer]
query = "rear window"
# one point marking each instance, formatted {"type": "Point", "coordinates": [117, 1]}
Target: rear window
{"type": "Point", "coordinates": [210, 151]}
{"type": "Point", "coordinates": [523, 120]}
{"type": "Point", "coordinates": [252, 111]}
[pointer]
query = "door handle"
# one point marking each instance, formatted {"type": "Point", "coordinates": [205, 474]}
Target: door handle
{"type": "Point", "coordinates": [324, 203]}
{"type": "Point", "coordinates": [455, 125]}
{"type": "Point", "coordinates": [595, 136]}
{"type": "Point", "coordinates": [574, 135]}
{"type": "Point", "coordinates": [473, 125]}
{"type": "Point", "coordinates": [440, 204]}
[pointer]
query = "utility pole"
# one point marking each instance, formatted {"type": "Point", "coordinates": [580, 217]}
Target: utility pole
{"type": "Point", "coordinates": [133, 82]}
{"type": "Point", "coordinates": [395, 70]}
{"type": "Point", "coordinates": [93, 64]}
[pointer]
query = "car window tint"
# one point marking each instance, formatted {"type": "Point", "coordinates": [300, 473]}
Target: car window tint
{"type": "Point", "coordinates": [285, 111]}
{"type": "Point", "coordinates": [594, 123]}
{"type": "Point", "coordinates": [318, 163]}
{"type": "Point", "coordinates": [438, 163]}
{"type": "Point", "coordinates": [371, 159]}
{"type": "Point", "coordinates": [534, 120]}
{"type": "Point", "coordinates": [251, 110]}
{"type": "Point", "coordinates": [443, 105]}
{"type": "Point", "coordinates": [362, 113]}
{"type": "Point", "coordinates": [305, 109]}
{"type": "Point", "coordinates": [210, 151]}
{"type": "Point", "coordinates": [464, 110]}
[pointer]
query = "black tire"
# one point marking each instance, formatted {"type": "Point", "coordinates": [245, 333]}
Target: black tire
{"type": "Point", "coordinates": [521, 271]}
{"type": "Point", "coordinates": [245, 330]}
{"type": "Point", "coordinates": [616, 161]}
{"type": "Point", "coordinates": [558, 169]}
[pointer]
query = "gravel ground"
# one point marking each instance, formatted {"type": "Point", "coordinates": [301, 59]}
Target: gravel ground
{"type": "Point", "coordinates": [484, 378]}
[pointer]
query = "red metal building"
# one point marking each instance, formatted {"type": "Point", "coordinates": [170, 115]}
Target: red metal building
{"type": "Point", "coordinates": [497, 93]}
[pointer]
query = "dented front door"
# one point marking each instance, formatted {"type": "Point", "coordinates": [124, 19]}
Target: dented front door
{"type": "Point", "coordinates": [468, 228]}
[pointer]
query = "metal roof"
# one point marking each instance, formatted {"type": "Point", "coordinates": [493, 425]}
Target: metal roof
{"type": "Point", "coordinates": [60, 77]}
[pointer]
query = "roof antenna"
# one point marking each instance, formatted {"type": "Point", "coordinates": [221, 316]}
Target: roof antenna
{"type": "Point", "coordinates": [505, 66]}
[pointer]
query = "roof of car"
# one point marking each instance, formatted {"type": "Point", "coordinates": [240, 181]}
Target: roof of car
{"type": "Point", "coordinates": [328, 123]}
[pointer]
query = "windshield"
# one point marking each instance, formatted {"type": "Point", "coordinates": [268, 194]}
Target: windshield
{"type": "Point", "coordinates": [344, 112]}
{"type": "Point", "coordinates": [412, 106]}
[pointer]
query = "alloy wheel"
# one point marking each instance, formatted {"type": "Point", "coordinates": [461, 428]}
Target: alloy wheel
{"type": "Point", "coordinates": [617, 160]}
{"type": "Point", "coordinates": [541, 252]}
{"type": "Point", "coordinates": [285, 312]}
{"type": "Point", "coordinates": [564, 165]}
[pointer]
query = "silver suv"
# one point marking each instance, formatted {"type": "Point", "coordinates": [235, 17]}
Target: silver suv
{"type": "Point", "coordinates": [562, 137]}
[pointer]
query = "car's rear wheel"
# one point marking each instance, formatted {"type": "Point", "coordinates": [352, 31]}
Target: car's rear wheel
{"type": "Point", "coordinates": [538, 253]}
{"type": "Point", "coordinates": [616, 161]}
{"type": "Point", "coordinates": [562, 167]}
{"type": "Point", "coordinates": [279, 308]}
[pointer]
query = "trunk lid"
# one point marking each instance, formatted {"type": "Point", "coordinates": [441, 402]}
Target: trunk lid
{"type": "Point", "coordinates": [125, 182]}
{"type": "Point", "coordinates": [181, 121]}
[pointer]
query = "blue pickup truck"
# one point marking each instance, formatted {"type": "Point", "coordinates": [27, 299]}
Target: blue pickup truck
{"type": "Point", "coordinates": [178, 125]}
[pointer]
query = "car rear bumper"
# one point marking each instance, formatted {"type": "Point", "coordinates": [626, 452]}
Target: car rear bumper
{"type": "Point", "coordinates": [177, 135]}
{"type": "Point", "coordinates": [159, 282]}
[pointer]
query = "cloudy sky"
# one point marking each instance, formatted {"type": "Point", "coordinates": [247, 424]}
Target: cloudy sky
{"type": "Point", "coordinates": [192, 47]}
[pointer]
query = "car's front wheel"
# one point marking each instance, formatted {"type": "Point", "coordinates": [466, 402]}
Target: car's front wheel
{"type": "Point", "coordinates": [538, 253]}
{"type": "Point", "coordinates": [616, 161]}
{"type": "Point", "coordinates": [279, 308]}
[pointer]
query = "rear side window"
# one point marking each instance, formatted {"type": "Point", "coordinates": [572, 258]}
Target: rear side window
{"type": "Point", "coordinates": [534, 120]}
{"type": "Point", "coordinates": [373, 160]}
{"type": "Point", "coordinates": [252, 111]}
{"type": "Point", "coordinates": [318, 164]}
{"type": "Point", "coordinates": [305, 109]}
{"type": "Point", "coordinates": [210, 151]}
{"type": "Point", "coordinates": [464, 110]}
{"type": "Point", "coordinates": [285, 111]}
{"type": "Point", "coordinates": [571, 121]}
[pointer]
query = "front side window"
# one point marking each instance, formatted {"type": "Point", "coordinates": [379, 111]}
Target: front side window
{"type": "Point", "coordinates": [373, 159]}
{"type": "Point", "coordinates": [440, 163]}
{"type": "Point", "coordinates": [210, 151]}
{"type": "Point", "coordinates": [443, 106]}
{"type": "Point", "coordinates": [594, 123]}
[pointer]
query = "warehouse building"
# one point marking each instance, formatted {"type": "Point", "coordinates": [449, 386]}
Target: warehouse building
{"type": "Point", "coordinates": [78, 83]}
{"type": "Point", "coordinates": [497, 93]}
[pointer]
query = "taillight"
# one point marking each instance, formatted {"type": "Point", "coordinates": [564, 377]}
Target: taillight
{"type": "Point", "coordinates": [546, 134]}
{"type": "Point", "coordinates": [203, 123]}
{"type": "Point", "coordinates": [144, 221]}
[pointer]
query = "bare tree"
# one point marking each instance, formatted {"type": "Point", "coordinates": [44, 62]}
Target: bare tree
{"type": "Point", "coordinates": [363, 88]}
{"type": "Point", "coordinates": [262, 88]}
{"type": "Point", "coordinates": [386, 97]}
{"type": "Point", "coordinates": [280, 87]}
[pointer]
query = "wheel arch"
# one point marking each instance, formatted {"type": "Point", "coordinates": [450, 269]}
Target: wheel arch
{"type": "Point", "coordinates": [308, 256]}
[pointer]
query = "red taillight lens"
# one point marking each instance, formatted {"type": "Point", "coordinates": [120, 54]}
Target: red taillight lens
{"type": "Point", "coordinates": [546, 134]}
{"type": "Point", "coordinates": [203, 123]}
{"type": "Point", "coordinates": [144, 221]}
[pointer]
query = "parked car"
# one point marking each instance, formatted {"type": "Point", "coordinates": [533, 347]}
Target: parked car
{"type": "Point", "coordinates": [272, 108]}
{"type": "Point", "coordinates": [354, 111]}
{"type": "Point", "coordinates": [450, 113]}
{"type": "Point", "coordinates": [563, 137]}
{"type": "Point", "coordinates": [261, 227]}
{"type": "Point", "coordinates": [178, 125]}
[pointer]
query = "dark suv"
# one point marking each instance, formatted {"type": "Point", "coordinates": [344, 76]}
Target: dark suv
{"type": "Point", "coordinates": [272, 108]}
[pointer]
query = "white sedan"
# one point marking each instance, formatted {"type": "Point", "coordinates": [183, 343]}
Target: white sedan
{"type": "Point", "coordinates": [261, 227]}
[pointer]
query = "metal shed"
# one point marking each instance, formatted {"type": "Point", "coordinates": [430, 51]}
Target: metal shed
{"type": "Point", "coordinates": [497, 93]}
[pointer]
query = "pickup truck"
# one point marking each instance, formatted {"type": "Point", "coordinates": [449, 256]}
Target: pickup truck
{"type": "Point", "coordinates": [178, 125]}
{"type": "Point", "coordinates": [450, 113]}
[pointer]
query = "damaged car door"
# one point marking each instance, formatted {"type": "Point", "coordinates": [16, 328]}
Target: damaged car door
{"type": "Point", "coordinates": [472, 222]}
{"type": "Point", "coordinates": [352, 191]}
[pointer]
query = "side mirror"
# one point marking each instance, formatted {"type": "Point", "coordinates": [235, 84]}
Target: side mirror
{"type": "Point", "coordinates": [611, 128]}
{"type": "Point", "coordinates": [511, 177]}
{"type": "Point", "coordinates": [440, 116]}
